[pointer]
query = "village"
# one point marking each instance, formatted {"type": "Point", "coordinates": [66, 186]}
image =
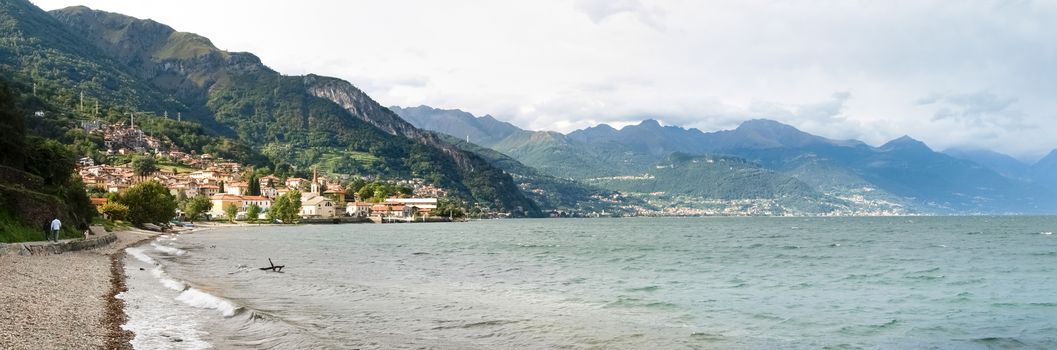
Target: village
{"type": "Point", "coordinates": [323, 198]}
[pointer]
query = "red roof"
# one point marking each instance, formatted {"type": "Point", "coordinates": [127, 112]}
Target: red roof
{"type": "Point", "coordinates": [98, 201]}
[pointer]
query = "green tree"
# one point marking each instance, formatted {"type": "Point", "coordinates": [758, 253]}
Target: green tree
{"type": "Point", "coordinates": [447, 208]}
{"type": "Point", "coordinates": [253, 211]}
{"type": "Point", "coordinates": [231, 211]}
{"type": "Point", "coordinates": [195, 206]}
{"type": "Point", "coordinates": [221, 185]}
{"type": "Point", "coordinates": [144, 166]}
{"type": "Point", "coordinates": [286, 208]}
{"type": "Point", "coordinates": [114, 211]}
{"type": "Point", "coordinates": [254, 185]}
{"type": "Point", "coordinates": [274, 212]}
{"type": "Point", "coordinates": [50, 160]}
{"type": "Point", "coordinates": [148, 202]}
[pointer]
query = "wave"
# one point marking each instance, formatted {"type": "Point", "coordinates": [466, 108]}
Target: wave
{"type": "Point", "coordinates": [197, 298]}
{"type": "Point", "coordinates": [869, 329]}
{"type": "Point", "coordinates": [167, 249]}
{"type": "Point", "coordinates": [644, 289]}
{"type": "Point", "coordinates": [140, 255]}
{"type": "Point", "coordinates": [159, 274]}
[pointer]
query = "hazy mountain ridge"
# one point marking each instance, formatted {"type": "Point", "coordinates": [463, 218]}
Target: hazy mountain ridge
{"type": "Point", "coordinates": [903, 174]}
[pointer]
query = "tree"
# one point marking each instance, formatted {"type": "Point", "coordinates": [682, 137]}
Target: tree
{"type": "Point", "coordinates": [274, 212]}
{"type": "Point", "coordinates": [144, 166]}
{"type": "Point", "coordinates": [253, 211]}
{"type": "Point", "coordinates": [286, 208]}
{"type": "Point", "coordinates": [448, 208]}
{"type": "Point", "coordinates": [195, 206]}
{"type": "Point", "coordinates": [254, 186]}
{"type": "Point", "coordinates": [231, 211]}
{"type": "Point", "coordinates": [221, 185]}
{"type": "Point", "coordinates": [148, 202]}
{"type": "Point", "coordinates": [114, 211]}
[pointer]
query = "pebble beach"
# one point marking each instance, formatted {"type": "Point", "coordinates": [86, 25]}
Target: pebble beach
{"type": "Point", "coordinates": [65, 301]}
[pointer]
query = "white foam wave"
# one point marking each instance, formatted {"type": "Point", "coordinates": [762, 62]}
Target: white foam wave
{"type": "Point", "coordinates": [173, 284]}
{"type": "Point", "coordinates": [1046, 233]}
{"type": "Point", "coordinates": [167, 249]}
{"type": "Point", "coordinates": [159, 274]}
{"type": "Point", "coordinates": [200, 299]}
{"type": "Point", "coordinates": [139, 255]}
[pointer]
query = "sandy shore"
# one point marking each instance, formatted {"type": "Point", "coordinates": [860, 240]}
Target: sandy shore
{"type": "Point", "coordinates": [65, 301]}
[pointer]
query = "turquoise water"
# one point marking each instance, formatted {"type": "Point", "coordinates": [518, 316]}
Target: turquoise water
{"type": "Point", "coordinates": [658, 283]}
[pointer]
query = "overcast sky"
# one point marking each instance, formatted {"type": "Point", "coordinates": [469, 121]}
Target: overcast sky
{"type": "Point", "coordinates": [977, 74]}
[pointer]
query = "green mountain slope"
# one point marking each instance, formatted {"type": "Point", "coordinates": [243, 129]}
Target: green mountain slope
{"type": "Point", "coordinates": [553, 193]}
{"type": "Point", "coordinates": [724, 180]}
{"type": "Point", "coordinates": [248, 111]}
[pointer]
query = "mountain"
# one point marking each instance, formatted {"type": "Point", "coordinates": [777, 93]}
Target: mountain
{"type": "Point", "coordinates": [229, 102]}
{"type": "Point", "coordinates": [558, 195]}
{"type": "Point", "coordinates": [1044, 171]}
{"type": "Point", "coordinates": [714, 184]}
{"type": "Point", "coordinates": [551, 152]}
{"type": "Point", "coordinates": [484, 130]}
{"type": "Point", "coordinates": [1000, 163]}
{"type": "Point", "coordinates": [899, 176]}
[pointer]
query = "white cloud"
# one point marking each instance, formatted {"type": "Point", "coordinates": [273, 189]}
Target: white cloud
{"type": "Point", "coordinates": [563, 65]}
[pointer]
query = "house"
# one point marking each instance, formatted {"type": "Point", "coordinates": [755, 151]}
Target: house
{"type": "Point", "coordinates": [203, 175]}
{"type": "Point", "coordinates": [317, 207]}
{"type": "Point", "coordinates": [358, 209]}
{"type": "Point", "coordinates": [294, 182]}
{"type": "Point", "coordinates": [390, 211]}
{"type": "Point", "coordinates": [419, 203]}
{"type": "Point", "coordinates": [268, 181]}
{"type": "Point", "coordinates": [236, 188]}
{"type": "Point", "coordinates": [262, 202]}
{"type": "Point", "coordinates": [222, 200]}
{"type": "Point", "coordinates": [208, 190]}
{"type": "Point", "coordinates": [98, 202]}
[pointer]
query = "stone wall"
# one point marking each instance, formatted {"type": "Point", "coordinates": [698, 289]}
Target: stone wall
{"type": "Point", "coordinates": [56, 248]}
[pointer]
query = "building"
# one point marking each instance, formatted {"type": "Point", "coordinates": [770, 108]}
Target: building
{"type": "Point", "coordinates": [420, 203]}
{"type": "Point", "coordinates": [294, 182]}
{"type": "Point", "coordinates": [314, 206]}
{"type": "Point", "coordinates": [236, 188]}
{"type": "Point", "coordinates": [390, 211]}
{"type": "Point", "coordinates": [220, 201]}
{"type": "Point", "coordinates": [262, 202]}
{"type": "Point", "coordinates": [358, 209]}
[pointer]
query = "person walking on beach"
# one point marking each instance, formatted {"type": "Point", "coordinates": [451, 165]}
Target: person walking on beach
{"type": "Point", "coordinates": [55, 226]}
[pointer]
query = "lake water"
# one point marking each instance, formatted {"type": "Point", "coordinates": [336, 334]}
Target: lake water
{"type": "Point", "coordinates": [639, 283]}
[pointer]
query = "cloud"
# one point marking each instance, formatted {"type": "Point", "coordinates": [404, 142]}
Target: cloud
{"type": "Point", "coordinates": [979, 109]}
{"type": "Point", "coordinates": [600, 10]}
{"type": "Point", "coordinates": [976, 72]}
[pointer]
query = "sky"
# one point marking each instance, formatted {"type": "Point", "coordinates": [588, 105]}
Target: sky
{"type": "Point", "coordinates": [968, 74]}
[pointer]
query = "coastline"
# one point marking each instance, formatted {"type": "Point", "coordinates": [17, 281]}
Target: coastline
{"type": "Point", "coordinates": [62, 301]}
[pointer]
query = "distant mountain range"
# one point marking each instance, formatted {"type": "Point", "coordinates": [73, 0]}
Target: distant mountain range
{"type": "Point", "coordinates": [849, 176]}
{"type": "Point", "coordinates": [77, 63]}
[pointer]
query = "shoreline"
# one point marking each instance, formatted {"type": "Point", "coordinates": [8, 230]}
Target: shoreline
{"type": "Point", "coordinates": [67, 300]}
{"type": "Point", "coordinates": [116, 337]}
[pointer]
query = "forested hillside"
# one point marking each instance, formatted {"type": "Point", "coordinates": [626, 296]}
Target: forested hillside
{"type": "Point", "coordinates": [227, 103]}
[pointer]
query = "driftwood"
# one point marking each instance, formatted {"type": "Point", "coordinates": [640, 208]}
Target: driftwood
{"type": "Point", "coordinates": [274, 267]}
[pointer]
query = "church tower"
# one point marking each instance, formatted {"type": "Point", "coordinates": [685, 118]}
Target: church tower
{"type": "Point", "coordinates": [315, 182]}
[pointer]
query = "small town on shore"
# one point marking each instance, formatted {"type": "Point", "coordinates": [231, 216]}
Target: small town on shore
{"type": "Point", "coordinates": [234, 192]}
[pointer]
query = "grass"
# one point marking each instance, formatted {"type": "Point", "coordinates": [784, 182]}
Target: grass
{"type": "Point", "coordinates": [12, 231]}
{"type": "Point", "coordinates": [180, 168]}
